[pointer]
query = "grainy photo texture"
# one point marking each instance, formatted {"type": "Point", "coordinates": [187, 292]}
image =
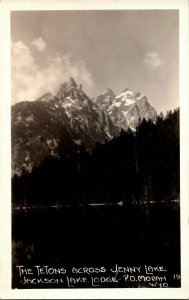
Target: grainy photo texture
{"type": "Point", "coordinates": [95, 149]}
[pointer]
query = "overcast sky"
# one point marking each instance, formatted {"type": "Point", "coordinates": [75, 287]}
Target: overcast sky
{"type": "Point", "coordinates": [117, 49]}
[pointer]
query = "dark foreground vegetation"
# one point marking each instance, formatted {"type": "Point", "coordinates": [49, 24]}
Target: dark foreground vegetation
{"type": "Point", "coordinates": [133, 167]}
{"type": "Point", "coordinates": [118, 204]}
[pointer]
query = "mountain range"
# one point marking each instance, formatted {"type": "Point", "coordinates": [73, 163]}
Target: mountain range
{"type": "Point", "coordinates": [61, 122]}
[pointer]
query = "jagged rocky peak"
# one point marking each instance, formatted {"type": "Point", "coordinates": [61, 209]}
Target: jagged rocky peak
{"type": "Point", "coordinates": [126, 109]}
{"type": "Point", "coordinates": [71, 89]}
{"type": "Point", "coordinates": [72, 82]}
{"type": "Point", "coordinates": [105, 99]}
{"type": "Point", "coordinates": [68, 85]}
{"type": "Point", "coordinates": [108, 92]}
{"type": "Point", "coordinates": [126, 90]}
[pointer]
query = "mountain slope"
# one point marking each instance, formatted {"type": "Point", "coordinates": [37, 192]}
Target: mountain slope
{"type": "Point", "coordinates": [68, 118]}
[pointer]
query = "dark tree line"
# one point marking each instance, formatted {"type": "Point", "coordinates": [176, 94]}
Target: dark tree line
{"type": "Point", "coordinates": [132, 167]}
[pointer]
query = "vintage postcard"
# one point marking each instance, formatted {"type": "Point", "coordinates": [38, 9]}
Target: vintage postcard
{"type": "Point", "coordinates": [94, 130]}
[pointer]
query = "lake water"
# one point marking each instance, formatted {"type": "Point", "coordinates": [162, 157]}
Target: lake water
{"type": "Point", "coordinates": [126, 235]}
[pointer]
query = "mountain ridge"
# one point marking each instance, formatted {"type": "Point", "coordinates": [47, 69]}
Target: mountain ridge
{"type": "Point", "coordinates": [71, 118]}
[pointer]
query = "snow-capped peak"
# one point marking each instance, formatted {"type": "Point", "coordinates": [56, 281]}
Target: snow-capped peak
{"type": "Point", "coordinates": [127, 108]}
{"type": "Point", "coordinates": [126, 98]}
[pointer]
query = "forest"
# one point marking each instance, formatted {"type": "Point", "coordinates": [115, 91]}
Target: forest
{"type": "Point", "coordinates": [133, 167]}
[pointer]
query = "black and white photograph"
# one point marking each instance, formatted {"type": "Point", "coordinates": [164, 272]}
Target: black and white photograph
{"type": "Point", "coordinates": [95, 149]}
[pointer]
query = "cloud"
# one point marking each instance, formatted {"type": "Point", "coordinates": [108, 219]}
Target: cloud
{"type": "Point", "coordinates": [152, 60]}
{"type": "Point", "coordinates": [30, 79]}
{"type": "Point", "coordinates": [21, 56]}
{"type": "Point", "coordinates": [39, 44]}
